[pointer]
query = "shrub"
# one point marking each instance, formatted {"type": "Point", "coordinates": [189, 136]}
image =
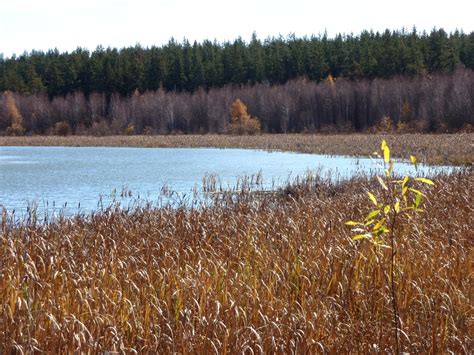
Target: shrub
{"type": "Point", "coordinates": [15, 131]}
{"type": "Point", "coordinates": [130, 130]}
{"type": "Point", "coordinates": [62, 128]}
{"type": "Point", "coordinates": [467, 128]}
{"type": "Point", "coordinates": [384, 226]}
{"type": "Point", "coordinates": [100, 129]}
{"type": "Point", "coordinates": [148, 131]}
{"type": "Point", "coordinates": [385, 125]}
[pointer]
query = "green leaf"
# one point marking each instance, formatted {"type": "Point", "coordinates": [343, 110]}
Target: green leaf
{"type": "Point", "coordinates": [418, 199]}
{"type": "Point", "coordinates": [372, 214]}
{"type": "Point", "coordinates": [372, 198]}
{"type": "Point", "coordinates": [426, 181]}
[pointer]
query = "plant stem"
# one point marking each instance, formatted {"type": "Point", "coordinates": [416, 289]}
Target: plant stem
{"type": "Point", "coordinates": [393, 285]}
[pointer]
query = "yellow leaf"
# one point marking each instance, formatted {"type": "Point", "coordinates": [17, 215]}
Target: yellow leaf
{"type": "Point", "coordinates": [413, 160]}
{"type": "Point", "coordinates": [416, 191]}
{"type": "Point", "coordinates": [397, 206]}
{"type": "Point", "coordinates": [361, 236]}
{"type": "Point", "coordinates": [405, 180]}
{"type": "Point", "coordinates": [372, 198]}
{"type": "Point", "coordinates": [386, 154]}
{"type": "Point", "coordinates": [368, 223]}
{"type": "Point", "coordinates": [382, 183]}
{"type": "Point", "coordinates": [384, 144]}
{"type": "Point", "coordinates": [379, 224]}
{"type": "Point", "coordinates": [404, 191]}
{"type": "Point", "coordinates": [386, 209]}
{"type": "Point", "coordinates": [372, 214]}
{"type": "Point", "coordinates": [352, 223]}
{"type": "Point", "coordinates": [426, 181]}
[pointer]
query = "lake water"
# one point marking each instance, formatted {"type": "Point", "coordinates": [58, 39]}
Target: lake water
{"type": "Point", "coordinates": [54, 177]}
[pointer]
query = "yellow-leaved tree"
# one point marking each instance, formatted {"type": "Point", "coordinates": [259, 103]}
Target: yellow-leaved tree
{"type": "Point", "coordinates": [14, 116]}
{"type": "Point", "coordinates": [240, 121]}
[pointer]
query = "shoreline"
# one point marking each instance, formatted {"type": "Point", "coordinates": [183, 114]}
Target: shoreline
{"type": "Point", "coordinates": [434, 149]}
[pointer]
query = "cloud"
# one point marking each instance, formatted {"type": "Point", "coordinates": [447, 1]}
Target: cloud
{"type": "Point", "coordinates": [33, 24]}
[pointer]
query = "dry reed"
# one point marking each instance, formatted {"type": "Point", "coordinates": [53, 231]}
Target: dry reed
{"type": "Point", "coordinates": [273, 274]}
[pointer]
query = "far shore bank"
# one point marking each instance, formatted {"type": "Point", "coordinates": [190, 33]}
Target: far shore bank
{"type": "Point", "coordinates": [453, 149]}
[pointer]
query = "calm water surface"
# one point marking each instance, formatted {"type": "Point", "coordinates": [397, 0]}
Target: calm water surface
{"type": "Point", "coordinates": [52, 177]}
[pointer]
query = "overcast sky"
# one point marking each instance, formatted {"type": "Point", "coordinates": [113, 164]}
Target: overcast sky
{"type": "Point", "coordinates": [66, 25]}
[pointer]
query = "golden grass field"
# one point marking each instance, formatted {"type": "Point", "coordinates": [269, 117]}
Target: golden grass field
{"type": "Point", "coordinates": [249, 273]}
{"type": "Point", "coordinates": [456, 149]}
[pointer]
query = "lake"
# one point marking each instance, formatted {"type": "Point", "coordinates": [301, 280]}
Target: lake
{"type": "Point", "coordinates": [74, 179]}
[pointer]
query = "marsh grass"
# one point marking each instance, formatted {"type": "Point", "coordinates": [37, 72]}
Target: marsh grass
{"type": "Point", "coordinates": [248, 273]}
{"type": "Point", "coordinates": [455, 149]}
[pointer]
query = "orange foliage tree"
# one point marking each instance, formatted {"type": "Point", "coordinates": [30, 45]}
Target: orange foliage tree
{"type": "Point", "coordinates": [14, 116]}
{"type": "Point", "coordinates": [240, 121]}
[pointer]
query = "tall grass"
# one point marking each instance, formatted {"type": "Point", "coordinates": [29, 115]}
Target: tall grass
{"type": "Point", "coordinates": [252, 273]}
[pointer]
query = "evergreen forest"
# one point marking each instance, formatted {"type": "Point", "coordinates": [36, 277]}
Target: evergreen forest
{"type": "Point", "coordinates": [348, 82]}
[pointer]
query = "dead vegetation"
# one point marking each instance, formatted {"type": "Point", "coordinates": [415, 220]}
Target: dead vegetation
{"type": "Point", "coordinates": [273, 274]}
{"type": "Point", "coordinates": [455, 149]}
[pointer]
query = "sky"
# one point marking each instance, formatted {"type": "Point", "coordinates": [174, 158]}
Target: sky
{"type": "Point", "coordinates": [67, 24]}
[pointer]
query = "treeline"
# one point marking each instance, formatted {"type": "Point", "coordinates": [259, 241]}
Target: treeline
{"type": "Point", "coordinates": [208, 65]}
{"type": "Point", "coordinates": [438, 102]}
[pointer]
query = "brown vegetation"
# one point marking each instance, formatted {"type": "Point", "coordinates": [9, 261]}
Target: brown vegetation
{"type": "Point", "coordinates": [13, 116]}
{"type": "Point", "coordinates": [240, 121]}
{"type": "Point", "coordinates": [456, 149]}
{"type": "Point", "coordinates": [62, 128]}
{"type": "Point", "coordinates": [271, 273]}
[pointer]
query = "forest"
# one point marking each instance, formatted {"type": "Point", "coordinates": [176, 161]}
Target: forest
{"type": "Point", "coordinates": [408, 80]}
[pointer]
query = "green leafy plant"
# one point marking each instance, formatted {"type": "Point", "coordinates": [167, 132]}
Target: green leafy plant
{"type": "Point", "coordinates": [395, 207]}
